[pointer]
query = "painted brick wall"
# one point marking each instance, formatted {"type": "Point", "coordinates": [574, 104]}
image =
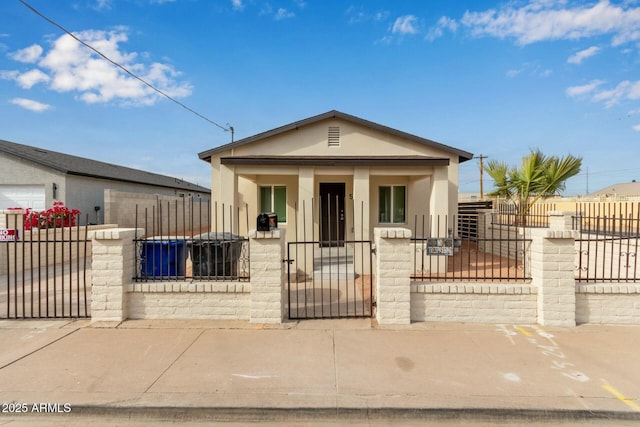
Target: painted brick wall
{"type": "Point", "coordinates": [268, 290]}
{"type": "Point", "coordinates": [477, 303]}
{"type": "Point", "coordinates": [393, 268]}
{"type": "Point", "coordinates": [197, 300]}
{"type": "Point", "coordinates": [608, 303]}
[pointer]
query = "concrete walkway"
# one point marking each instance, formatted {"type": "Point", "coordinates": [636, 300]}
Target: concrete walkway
{"type": "Point", "coordinates": [316, 369]}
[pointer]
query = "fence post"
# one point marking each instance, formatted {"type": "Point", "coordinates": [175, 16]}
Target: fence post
{"type": "Point", "coordinates": [267, 276]}
{"type": "Point", "coordinates": [12, 218]}
{"type": "Point", "coordinates": [393, 275]}
{"type": "Point", "coordinates": [112, 269]}
{"type": "Point", "coordinates": [552, 271]}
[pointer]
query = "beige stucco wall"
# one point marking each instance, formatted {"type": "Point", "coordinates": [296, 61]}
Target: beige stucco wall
{"type": "Point", "coordinates": [430, 190]}
{"type": "Point", "coordinates": [354, 141]}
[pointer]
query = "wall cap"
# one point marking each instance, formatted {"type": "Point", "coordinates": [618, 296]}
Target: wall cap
{"type": "Point", "coordinates": [392, 232]}
{"type": "Point", "coordinates": [115, 233]}
{"type": "Point", "coordinates": [276, 233]}
{"type": "Point", "coordinates": [12, 211]}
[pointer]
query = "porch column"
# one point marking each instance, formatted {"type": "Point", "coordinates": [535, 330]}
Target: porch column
{"type": "Point", "coordinates": [439, 202]}
{"type": "Point", "coordinates": [228, 196]}
{"type": "Point", "coordinates": [306, 185]}
{"type": "Point", "coordinates": [361, 204]}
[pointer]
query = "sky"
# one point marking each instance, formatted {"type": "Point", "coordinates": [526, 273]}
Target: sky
{"type": "Point", "coordinates": [494, 78]}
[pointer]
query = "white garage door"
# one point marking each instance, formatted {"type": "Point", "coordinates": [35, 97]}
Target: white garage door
{"type": "Point", "coordinates": [22, 196]}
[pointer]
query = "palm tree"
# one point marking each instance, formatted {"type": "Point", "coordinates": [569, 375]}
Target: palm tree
{"type": "Point", "coordinates": [538, 177]}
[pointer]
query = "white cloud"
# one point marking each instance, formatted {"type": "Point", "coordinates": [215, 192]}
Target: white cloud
{"type": "Point", "coordinates": [623, 91]}
{"type": "Point", "coordinates": [357, 15]}
{"type": "Point", "coordinates": [283, 13]}
{"type": "Point", "coordinates": [9, 75]}
{"type": "Point", "coordinates": [31, 78]}
{"type": "Point", "coordinates": [71, 67]}
{"type": "Point", "coordinates": [405, 25]}
{"type": "Point", "coordinates": [28, 55]}
{"type": "Point", "coordinates": [29, 104]}
{"type": "Point", "coordinates": [636, 128]}
{"type": "Point", "coordinates": [444, 23]}
{"type": "Point", "coordinates": [580, 56]}
{"type": "Point", "coordinates": [237, 4]}
{"type": "Point", "coordinates": [584, 89]}
{"type": "Point", "coordinates": [103, 4]}
{"type": "Point", "coordinates": [552, 20]}
{"type": "Point", "coordinates": [531, 69]}
{"type": "Point", "coordinates": [513, 73]}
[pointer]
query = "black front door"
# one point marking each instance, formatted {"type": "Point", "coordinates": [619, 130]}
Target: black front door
{"type": "Point", "coordinates": [332, 215]}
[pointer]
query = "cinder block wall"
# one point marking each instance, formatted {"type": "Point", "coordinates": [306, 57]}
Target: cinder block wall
{"type": "Point", "coordinates": [553, 296]}
{"type": "Point", "coordinates": [474, 303]}
{"type": "Point", "coordinates": [610, 303]}
{"type": "Point", "coordinates": [120, 208]}
{"type": "Point", "coordinates": [198, 300]}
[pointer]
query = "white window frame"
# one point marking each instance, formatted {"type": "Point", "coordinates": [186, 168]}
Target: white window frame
{"type": "Point", "coordinates": [272, 202]}
{"type": "Point", "coordinates": [392, 207]}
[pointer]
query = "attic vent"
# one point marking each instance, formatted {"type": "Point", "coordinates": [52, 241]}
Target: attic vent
{"type": "Point", "coordinates": [334, 136]}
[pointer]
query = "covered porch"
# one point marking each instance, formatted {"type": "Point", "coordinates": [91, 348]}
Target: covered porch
{"type": "Point", "coordinates": [333, 200]}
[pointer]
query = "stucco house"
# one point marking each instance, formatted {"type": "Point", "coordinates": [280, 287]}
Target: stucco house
{"type": "Point", "coordinates": [338, 174]}
{"type": "Point", "coordinates": [32, 177]}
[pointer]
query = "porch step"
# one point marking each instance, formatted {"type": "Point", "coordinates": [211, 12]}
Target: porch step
{"type": "Point", "coordinates": [333, 263]}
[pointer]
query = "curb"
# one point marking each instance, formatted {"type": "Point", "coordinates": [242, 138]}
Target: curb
{"type": "Point", "coordinates": [253, 414]}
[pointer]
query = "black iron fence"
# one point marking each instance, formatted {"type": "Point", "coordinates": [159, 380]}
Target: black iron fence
{"type": "Point", "coordinates": [468, 213]}
{"type": "Point", "coordinates": [537, 216]}
{"type": "Point", "coordinates": [45, 267]}
{"type": "Point", "coordinates": [607, 246]}
{"type": "Point", "coordinates": [496, 251]}
{"type": "Point", "coordinates": [329, 264]}
{"type": "Point", "coordinates": [192, 240]}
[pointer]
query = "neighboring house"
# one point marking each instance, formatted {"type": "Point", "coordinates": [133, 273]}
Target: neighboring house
{"type": "Point", "coordinates": [624, 189]}
{"type": "Point", "coordinates": [32, 177]}
{"type": "Point", "coordinates": [355, 173]}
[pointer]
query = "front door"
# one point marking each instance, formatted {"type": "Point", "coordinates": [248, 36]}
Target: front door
{"type": "Point", "coordinates": [332, 215]}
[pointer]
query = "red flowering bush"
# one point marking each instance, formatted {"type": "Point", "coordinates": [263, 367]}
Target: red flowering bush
{"type": "Point", "coordinates": [57, 216]}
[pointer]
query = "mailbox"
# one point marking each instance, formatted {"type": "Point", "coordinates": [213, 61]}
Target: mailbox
{"type": "Point", "coordinates": [267, 221]}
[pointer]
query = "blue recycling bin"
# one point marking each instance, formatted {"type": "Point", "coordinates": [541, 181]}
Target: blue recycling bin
{"type": "Point", "coordinates": [163, 258]}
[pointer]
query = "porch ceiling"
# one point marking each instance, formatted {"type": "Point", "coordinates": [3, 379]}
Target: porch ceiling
{"type": "Point", "coordinates": [336, 161]}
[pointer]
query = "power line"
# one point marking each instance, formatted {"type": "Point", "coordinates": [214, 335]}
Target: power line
{"type": "Point", "coordinates": [481, 157]}
{"type": "Point", "coordinates": [166, 95]}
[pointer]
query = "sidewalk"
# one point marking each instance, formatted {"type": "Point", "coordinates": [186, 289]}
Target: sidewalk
{"type": "Point", "coordinates": [334, 367]}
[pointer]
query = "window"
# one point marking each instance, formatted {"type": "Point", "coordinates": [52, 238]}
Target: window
{"type": "Point", "coordinates": [334, 136]}
{"type": "Point", "coordinates": [273, 198]}
{"type": "Point", "coordinates": [392, 204]}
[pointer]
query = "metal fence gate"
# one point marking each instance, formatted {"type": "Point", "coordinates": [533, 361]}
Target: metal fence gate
{"type": "Point", "coordinates": [329, 276]}
{"type": "Point", "coordinates": [45, 270]}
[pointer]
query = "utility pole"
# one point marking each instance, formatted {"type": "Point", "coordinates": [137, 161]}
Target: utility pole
{"type": "Point", "coordinates": [481, 157]}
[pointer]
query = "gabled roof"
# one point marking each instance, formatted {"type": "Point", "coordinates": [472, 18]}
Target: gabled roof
{"type": "Point", "coordinates": [73, 165]}
{"type": "Point", "coordinates": [463, 156]}
{"type": "Point", "coordinates": [621, 189]}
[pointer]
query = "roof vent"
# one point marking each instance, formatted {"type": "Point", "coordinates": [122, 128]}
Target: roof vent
{"type": "Point", "coordinates": [334, 136]}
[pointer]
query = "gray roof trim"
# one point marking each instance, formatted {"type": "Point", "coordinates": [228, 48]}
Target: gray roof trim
{"type": "Point", "coordinates": [335, 161]}
{"type": "Point", "coordinates": [463, 156]}
{"type": "Point", "coordinates": [80, 166]}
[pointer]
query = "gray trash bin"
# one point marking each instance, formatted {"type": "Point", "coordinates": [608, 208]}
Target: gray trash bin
{"type": "Point", "coordinates": [215, 254]}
